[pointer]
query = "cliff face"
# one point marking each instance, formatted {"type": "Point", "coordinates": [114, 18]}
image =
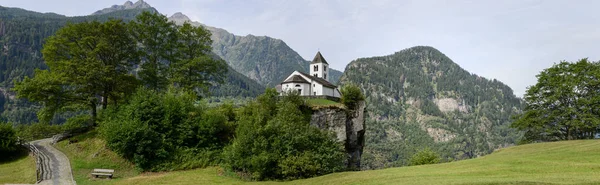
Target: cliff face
{"type": "Point", "coordinates": [349, 128]}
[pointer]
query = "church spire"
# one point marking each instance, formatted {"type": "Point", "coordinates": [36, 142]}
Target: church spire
{"type": "Point", "coordinates": [319, 59]}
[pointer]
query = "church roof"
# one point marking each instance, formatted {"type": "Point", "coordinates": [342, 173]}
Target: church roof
{"type": "Point", "coordinates": [319, 59]}
{"type": "Point", "coordinates": [318, 80]}
{"type": "Point", "coordinates": [296, 79]}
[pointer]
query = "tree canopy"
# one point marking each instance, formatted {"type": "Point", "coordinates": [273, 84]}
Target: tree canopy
{"type": "Point", "coordinates": [563, 104]}
{"type": "Point", "coordinates": [94, 63]}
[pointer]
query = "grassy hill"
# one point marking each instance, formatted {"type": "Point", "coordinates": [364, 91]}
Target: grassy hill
{"type": "Point", "coordinates": [567, 162]}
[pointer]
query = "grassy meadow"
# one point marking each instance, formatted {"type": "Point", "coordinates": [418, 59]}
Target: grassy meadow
{"type": "Point", "coordinates": [18, 169]}
{"type": "Point", "coordinates": [566, 162]}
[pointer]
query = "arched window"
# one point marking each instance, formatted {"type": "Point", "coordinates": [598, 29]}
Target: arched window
{"type": "Point", "coordinates": [316, 68]}
{"type": "Point", "coordinates": [297, 85]}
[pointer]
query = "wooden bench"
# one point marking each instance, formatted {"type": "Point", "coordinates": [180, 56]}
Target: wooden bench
{"type": "Point", "coordinates": [103, 172]}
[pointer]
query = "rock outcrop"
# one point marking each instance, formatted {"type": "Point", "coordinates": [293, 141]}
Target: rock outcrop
{"type": "Point", "coordinates": [349, 128]}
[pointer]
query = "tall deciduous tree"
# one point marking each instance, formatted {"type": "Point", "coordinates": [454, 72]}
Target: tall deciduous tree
{"type": "Point", "coordinates": [157, 40]}
{"type": "Point", "coordinates": [88, 65]}
{"type": "Point", "coordinates": [195, 69]}
{"type": "Point", "coordinates": [564, 104]}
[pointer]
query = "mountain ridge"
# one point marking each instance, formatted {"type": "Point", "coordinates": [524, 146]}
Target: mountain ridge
{"type": "Point", "coordinates": [140, 4]}
{"type": "Point", "coordinates": [275, 58]}
{"type": "Point", "coordinates": [418, 97]}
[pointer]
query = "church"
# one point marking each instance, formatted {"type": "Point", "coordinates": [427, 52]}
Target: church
{"type": "Point", "coordinates": [314, 84]}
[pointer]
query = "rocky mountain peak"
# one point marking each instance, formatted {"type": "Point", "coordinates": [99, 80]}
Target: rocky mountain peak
{"type": "Point", "coordinates": [127, 4]}
{"type": "Point", "coordinates": [179, 17]}
{"type": "Point", "coordinates": [140, 4]}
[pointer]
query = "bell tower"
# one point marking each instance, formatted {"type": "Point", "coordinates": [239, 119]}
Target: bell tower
{"type": "Point", "coordinates": [319, 67]}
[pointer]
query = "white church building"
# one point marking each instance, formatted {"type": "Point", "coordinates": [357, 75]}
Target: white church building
{"type": "Point", "coordinates": [314, 84]}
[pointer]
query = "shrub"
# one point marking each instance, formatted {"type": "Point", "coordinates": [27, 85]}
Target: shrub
{"type": "Point", "coordinates": [351, 95]}
{"type": "Point", "coordinates": [8, 139]}
{"type": "Point", "coordinates": [37, 131]}
{"type": "Point", "coordinates": [425, 156]}
{"type": "Point", "coordinates": [282, 146]}
{"type": "Point", "coordinates": [77, 124]}
{"type": "Point", "coordinates": [163, 131]}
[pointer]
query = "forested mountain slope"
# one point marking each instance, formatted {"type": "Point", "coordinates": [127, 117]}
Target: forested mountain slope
{"type": "Point", "coordinates": [419, 98]}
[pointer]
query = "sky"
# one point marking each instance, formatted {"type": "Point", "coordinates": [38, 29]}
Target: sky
{"type": "Point", "coordinates": [508, 40]}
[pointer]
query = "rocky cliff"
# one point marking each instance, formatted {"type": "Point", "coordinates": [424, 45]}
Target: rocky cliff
{"type": "Point", "coordinates": [348, 126]}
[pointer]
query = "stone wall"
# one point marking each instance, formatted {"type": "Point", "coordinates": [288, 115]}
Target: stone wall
{"type": "Point", "coordinates": [349, 128]}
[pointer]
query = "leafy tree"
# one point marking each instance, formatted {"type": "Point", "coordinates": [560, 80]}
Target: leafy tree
{"type": "Point", "coordinates": [195, 68]}
{"type": "Point", "coordinates": [563, 104]}
{"type": "Point", "coordinates": [157, 37]}
{"type": "Point", "coordinates": [86, 60]}
{"type": "Point", "coordinates": [424, 156]}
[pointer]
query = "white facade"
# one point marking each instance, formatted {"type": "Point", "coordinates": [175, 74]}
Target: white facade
{"type": "Point", "coordinates": [320, 70]}
{"type": "Point", "coordinates": [302, 88]}
{"type": "Point", "coordinates": [311, 88]}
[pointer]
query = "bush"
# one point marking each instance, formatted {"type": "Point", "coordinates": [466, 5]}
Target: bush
{"type": "Point", "coordinates": [162, 131]}
{"type": "Point", "coordinates": [77, 124]}
{"type": "Point", "coordinates": [351, 95]}
{"type": "Point", "coordinates": [8, 139]}
{"type": "Point", "coordinates": [281, 146]}
{"type": "Point", "coordinates": [425, 156]}
{"type": "Point", "coordinates": [37, 131]}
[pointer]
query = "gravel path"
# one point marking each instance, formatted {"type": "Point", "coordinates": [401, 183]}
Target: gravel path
{"type": "Point", "coordinates": [59, 168]}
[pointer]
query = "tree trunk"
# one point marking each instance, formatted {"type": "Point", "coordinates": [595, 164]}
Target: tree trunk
{"type": "Point", "coordinates": [105, 100]}
{"type": "Point", "coordinates": [93, 113]}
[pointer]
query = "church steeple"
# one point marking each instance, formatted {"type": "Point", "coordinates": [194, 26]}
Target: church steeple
{"type": "Point", "coordinates": [319, 59]}
{"type": "Point", "coordinates": [318, 67]}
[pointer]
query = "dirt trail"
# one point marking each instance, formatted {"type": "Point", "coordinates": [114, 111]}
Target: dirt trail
{"type": "Point", "coordinates": [58, 167]}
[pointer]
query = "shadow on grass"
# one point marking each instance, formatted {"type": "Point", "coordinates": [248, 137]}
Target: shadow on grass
{"type": "Point", "coordinates": [20, 153]}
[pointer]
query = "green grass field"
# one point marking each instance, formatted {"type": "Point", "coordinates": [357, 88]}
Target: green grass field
{"type": "Point", "coordinates": [20, 169]}
{"type": "Point", "coordinates": [567, 162]}
{"type": "Point", "coordinates": [323, 103]}
{"type": "Point", "coordinates": [87, 152]}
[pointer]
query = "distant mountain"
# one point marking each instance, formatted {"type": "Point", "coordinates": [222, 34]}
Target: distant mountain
{"type": "Point", "coordinates": [419, 97]}
{"type": "Point", "coordinates": [140, 4]}
{"type": "Point", "coordinates": [261, 58]}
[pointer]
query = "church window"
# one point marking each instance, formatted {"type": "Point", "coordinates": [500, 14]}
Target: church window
{"type": "Point", "coordinates": [298, 85]}
{"type": "Point", "coordinates": [315, 93]}
{"type": "Point", "coordinates": [313, 85]}
{"type": "Point", "coordinates": [324, 68]}
{"type": "Point", "coordinates": [325, 76]}
{"type": "Point", "coordinates": [315, 75]}
{"type": "Point", "coordinates": [316, 68]}
{"type": "Point", "coordinates": [300, 91]}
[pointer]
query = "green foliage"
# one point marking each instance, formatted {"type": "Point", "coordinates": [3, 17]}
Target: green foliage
{"type": "Point", "coordinates": [77, 124]}
{"type": "Point", "coordinates": [86, 61]}
{"type": "Point", "coordinates": [562, 105]}
{"type": "Point", "coordinates": [37, 131]}
{"type": "Point", "coordinates": [8, 139]}
{"type": "Point", "coordinates": [158, 37]}
{"type": "Point", "coordinates": [275, 141]}
{"type": "Point", "coordinates": [424, 156]}
{"type": "Point", "coordinates": [351, 95]}
{"type": "Point", "coordinates": [155, 129]}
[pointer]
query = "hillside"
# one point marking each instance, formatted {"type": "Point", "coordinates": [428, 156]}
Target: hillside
{"type": "Point", "coordinates": [571, 162]}
{"type": "Point", "coordinates": [264, 59]}
{"type": "Point", "coordinates": [419, 98]}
